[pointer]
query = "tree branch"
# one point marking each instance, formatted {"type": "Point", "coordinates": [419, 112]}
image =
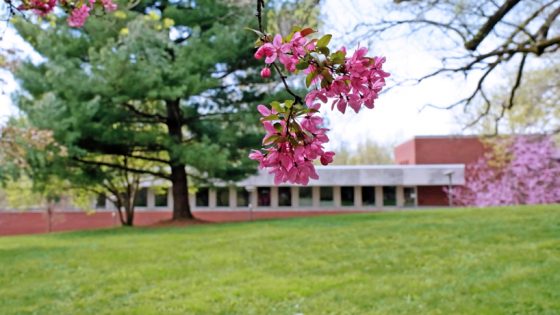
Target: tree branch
{"type": "Point", "coordinates": [490, 24]}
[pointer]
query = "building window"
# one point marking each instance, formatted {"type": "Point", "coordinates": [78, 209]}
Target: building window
{"type": "Point", "coordinates": [101, 202]}
{"type": "Point", "coordinates": [347, 196]}
{"type": "Point", "coordinates": [389, 196]}
{"type": "Point", "coordinates": [242, 197]}
{"type": "Point", "coordinates": [263, 195]}
{"type": "Point", "coordinates": [326, 196]}
{"type": "Point", "coordinates": [368, 196]}
{"type": "Point", "coordinates": [285, 196]}
{"type": "Point", "coordinates": [222, 196]}
{"type": "Point", "coordinates": [409, 196]}
{"type": "Point", "coordinates": [141, 198]}
{"type": "Point", "coordinates": [201, 197]}
{"type": "Point", "coordinates": [305, 196]}
{"type": "Point", "coordinates": [161, 198]}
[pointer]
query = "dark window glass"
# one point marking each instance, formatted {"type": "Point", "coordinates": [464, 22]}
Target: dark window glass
{"type": "Point", "coordinates": [141, 198]}
{"type": "Point", "coordinates": [242, 197]}
{"type": "Point", "coordinates": [284, 196]}
{"type": "Point", "coordinates": [347, 196]}
{"type": "Point", "coordinates": [222, 196]}
{"type": "Point", "coordinates": [389, 195]}
{"type": "Point", "coordinates": [202, 197]}
{"type": "Point", "coordinates": [368, 196]}
{"type": "Point", "coordinates": [161, 198]}
{"type": "Point", "coordinates": [263, 195]}
{"type": "Point", "coordinates": [326, 196]}
{"type": "Point", "coordinates": [101, 202]}
{"type": "Point", "coordinates": [409, 196]}
{"type": "Point", "coordinates": [305, 196]}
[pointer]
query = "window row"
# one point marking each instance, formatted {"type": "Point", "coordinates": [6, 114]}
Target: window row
{"type": "Point", "coordinates": [284, 198]}
{"type": "Point", "coordinates": [140, 200]}
{"type": "Point", "coordinates": [326, 196]}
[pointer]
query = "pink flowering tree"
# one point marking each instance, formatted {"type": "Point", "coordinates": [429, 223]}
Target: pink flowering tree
{"type": "Point", "coordinates": [295, 136]}
{"type": "Point", "coordinates": [522, 170]}
{"type": "Point", "coordinates": [78, 10]}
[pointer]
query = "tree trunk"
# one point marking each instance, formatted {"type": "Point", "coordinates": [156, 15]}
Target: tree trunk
{"type": "Point", "coordinates": [181, 207]}
{"type": "Point", "coordinates": [129, 220]}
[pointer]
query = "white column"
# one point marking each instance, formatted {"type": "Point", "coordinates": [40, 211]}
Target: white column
{"type": "Point", "coordinates": [316, 196]}
{"type": "Point", "coordinates": [358, 196]}
{"type": "Point", "coordinates": [253, 198]}
{"type": "Point", "coordinates": [232, 197]}
{"type": "Point", "coordinates": [274, 197]}
{"type": "Point", "coordinates": [336, 197]}
{"type": "Point", "coordinates": [151, 202]}
{"type": "Point", "coordinates": [212, 198]}
{"type": "Point", "coordinates": [295, 196]}
{"type": "Point", "coordinates": [400, 196]}
{"type": "Point", "coordinates": [378, 196]}
{"type": "Point", "coordinates": [192, 201]}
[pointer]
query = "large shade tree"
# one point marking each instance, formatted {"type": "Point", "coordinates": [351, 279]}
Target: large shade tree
{"type": "Point", "coordinates": [168, 87]}
{"type": "Point", "coordinates": [481, 40]}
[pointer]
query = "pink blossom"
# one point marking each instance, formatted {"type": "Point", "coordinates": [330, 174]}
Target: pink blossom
{"type": "Point", "coordinates": [109, 5]}
{"type": "Point", "coordinates": [39, 7]}
{"type": "Point", "coordinates": [529, 174]}
{"type": "Point", "coordinates": [292, 161]}
{"type": "Point", "coordinates": [78, 16]}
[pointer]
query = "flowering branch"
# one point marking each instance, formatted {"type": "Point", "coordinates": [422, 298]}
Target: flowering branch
{"type": "Point", "coordinates": [78, 10]}
{"type": "Point", "coordinates": [294, 137]}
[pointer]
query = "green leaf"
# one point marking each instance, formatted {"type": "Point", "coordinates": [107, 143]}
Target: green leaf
{"type": "Point", "coordinates": [271, 139]}
{"type": "Point", "coordinates": [310, 78]}
{"type": "Point", "coordinates": [338, 57]}
{"type": "Point", "coordinates": [324, 41]}
{"type": "Point", "coordinates": [276, 106]}
{"type": "Point", "coordinates": [302, 65]}
{"type": "Point", "coordinates": [255, 31]}
{"type": "Point", "coordinates": [289, 103]}
{"type": "Point", "coordinates": [270, 118]}
{"type": "Point", "coordinates": [324, 50]}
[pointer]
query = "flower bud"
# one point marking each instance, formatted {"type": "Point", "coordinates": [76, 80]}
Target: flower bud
{"type": "Point", "coordinates": [265, 72]}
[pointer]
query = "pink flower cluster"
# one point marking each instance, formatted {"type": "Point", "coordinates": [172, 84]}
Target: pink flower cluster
{"type": "Point", "coordinates": [288, 53]}
{"type": "Point", "coordinates": [295, 139]}
{"type": "Point", "coordinates": [78, 14]}
{"type": "Point", "coordinates": [291, 157]}
{"type": "Point", "coordinates": [359, 84]}
{"type": "Point", "coordinates": [39, 7]}
{"type": "Point", "coordinates": [528, 172]}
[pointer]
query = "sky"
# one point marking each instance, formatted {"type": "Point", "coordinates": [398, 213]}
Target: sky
{"type": "Point", "coordinates": [396, 117]}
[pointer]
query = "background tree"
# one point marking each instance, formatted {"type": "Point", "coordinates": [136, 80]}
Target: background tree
{"type": "Point", "coordinates": [26, 157]}
{"type": "Point", "coordinates": [168, 87]}
{"type": "Point", "coordinates": [477, 39]}
{"type": "Point", "coordinates": [537, 107]}
{"type": "Point", "coordinates": [519, 170]}
{"type": "Point", "coordinates": [368, 152]}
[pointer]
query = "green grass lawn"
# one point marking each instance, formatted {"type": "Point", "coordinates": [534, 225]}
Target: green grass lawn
{"type": "Point", "coordinates": [462, 261]}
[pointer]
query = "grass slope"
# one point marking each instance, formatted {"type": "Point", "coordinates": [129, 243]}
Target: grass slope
{"type": "Point", "coordinates": [464, 261]}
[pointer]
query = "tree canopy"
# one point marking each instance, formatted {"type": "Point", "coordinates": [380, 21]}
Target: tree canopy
{"type": "Point", "coordinates": [165, 84]}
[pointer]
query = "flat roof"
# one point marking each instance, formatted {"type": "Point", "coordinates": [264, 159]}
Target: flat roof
{"type": "Point", "coordinates": [373, 175]}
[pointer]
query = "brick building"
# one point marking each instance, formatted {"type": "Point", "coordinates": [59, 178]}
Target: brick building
{"type": "Point", "coordinates": [424, 150]}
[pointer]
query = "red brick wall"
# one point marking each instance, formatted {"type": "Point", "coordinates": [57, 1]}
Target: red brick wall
{"type": "Point", "coordinates": [405, 153]}
{"type": "Point", "coordinates": [432, 196]}
{"type": "Point", "coordinates": [439, 150]}
{"type": "Point", "coordinates": [14, 223]}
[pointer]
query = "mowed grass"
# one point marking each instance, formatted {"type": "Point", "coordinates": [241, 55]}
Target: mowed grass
{"type": "Point", "coordinates": [459, 261]}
